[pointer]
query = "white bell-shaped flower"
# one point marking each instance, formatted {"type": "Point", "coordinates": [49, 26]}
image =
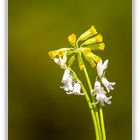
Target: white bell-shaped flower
{"type": "Point", "coordinates": [65, 75]}
{"type": "Point", "coordinates": [100, 94]}
{"type": "Point", "coordinates": [76, 89]}
{"type": "Point", "coordinates": [70, 85]}
{"type": "Point", "coordinates": [61, 61]}
{"type": "Point", "coordinates": [101, 67]}
{"type": "Point", "coordinates": [101, 98]}
{"type": "Point", "coordinates": [108, 85]}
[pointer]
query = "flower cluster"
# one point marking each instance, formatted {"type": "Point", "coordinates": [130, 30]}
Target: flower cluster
{"type": "Point", "coordinates": [83, 47]}
{"type": "Point", "coordinates": [86, 43]}
{"type": "Point", "coordinates": [98, 90]}
{"type": "Point", "coordinates": [69, 84]}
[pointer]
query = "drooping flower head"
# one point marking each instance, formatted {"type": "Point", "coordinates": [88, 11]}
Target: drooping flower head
{"type": "Point", "coordinates": [107, 84]}
{"type": "Point", "coordinates": [101, 67]}
{"type": "Point", "coordinates": [70, 85]}
{"type": "Point", "coordinates": [87, 42]}
{"type": "Point", "coordinates": [83, 47]}
{"type": "Point", "coordinates": [100, 94]}
{"type": "Point", "coordinates": [61, 61]}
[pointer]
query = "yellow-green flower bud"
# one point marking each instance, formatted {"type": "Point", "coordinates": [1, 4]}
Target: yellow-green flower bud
{"type": "Point", "coordinates": [60, 52]}
{"type": "Point", "coordinates": [52, 54]}
{"type": "Point", "coordinates": [89, 33]}
{"type": "Point", "coordinates": [86, 50]}
{"type": "Point", "coordinates": [93, 40]}
{"type": "Point", "coordinates": [72, 39]}
{"type": "Point", "coordinates": [80, 61]}
{"type": "Point", "coordinates": [93, 56]}
{"type": "Point", "coordinates": [99, 46]}
{"type": "Point", "coordinates": [90, 60]}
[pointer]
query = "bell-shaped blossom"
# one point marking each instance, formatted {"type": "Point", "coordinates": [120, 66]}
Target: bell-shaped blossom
{"type": "Point", "coordinates": [100, 94]}
{"type": "Point", "coordinates": [65, 75]}
{"type": "Point", "coordinates": [61, 61]}
{"type": "Point", "coordinates": [101, 67]}
{"type": "Point", "coordinates": [108, 85]}
{"type": "Point", "coordinates": [69, 84]}
{"type": "Point", "coordinates": [100, 71]}
{"type": "Point", "coordinates": [76, 89]}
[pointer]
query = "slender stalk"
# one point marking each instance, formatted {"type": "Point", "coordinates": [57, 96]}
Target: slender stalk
{"type": "Point", "coordinates": [89, 83]}
{"type": "Point", "coordinates": [92, 114]}
{"type": "Point", "coordinates": [96, 110]}
{"type": "Point", "coordinates": [102, 123]}
{"type": "Point", "coordinates": [90, 107]}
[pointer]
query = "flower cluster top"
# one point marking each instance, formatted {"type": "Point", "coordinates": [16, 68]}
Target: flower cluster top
{"type": "Point", "coordinates": [83, 47]}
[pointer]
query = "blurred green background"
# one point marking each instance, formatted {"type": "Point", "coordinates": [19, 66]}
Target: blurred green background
{"type": "Point", "coordinates": [38, 108]}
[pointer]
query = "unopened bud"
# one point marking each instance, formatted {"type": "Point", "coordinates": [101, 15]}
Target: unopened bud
{"type": "Point", "coordinates": [52, 54]}
{"type": "Point", "coordinates": [94, 57]}
{"type": "Point", "coordinates": [86, 50]}
{"type": "Point", "coordinates": [60, 53]}
{"type": "Point", "coordinates": [72, 39]}
{"type": "Point", "coordinates": [93, 40]}
{"type": "Point", "coordinates": [89, 33]}
{"type": "Point", "coordinates": [90, 60]}
{"type": "Point", "coordinates": [80, 61]}
{"type": "Point", "coordinates": [82, 67]}
{"type": "Point", "coordinates": [99, 46]}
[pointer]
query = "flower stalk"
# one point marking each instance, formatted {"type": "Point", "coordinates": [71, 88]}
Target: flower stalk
{"type": "Point", "coordinates": [93, 99]}
{"type": "Point", "coordinates": [102, 123]}
{"type": "Point", "coordinates": [92, 111]}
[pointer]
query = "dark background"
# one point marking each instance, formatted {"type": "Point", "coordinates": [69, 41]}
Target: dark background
{"type": "Point", "coordinates": [38, 108]}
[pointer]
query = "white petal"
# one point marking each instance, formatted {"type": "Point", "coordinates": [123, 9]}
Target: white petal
{"type": "Point", "coordinates": [65, 58]}
{"type": "Point", "coordinates": [97, 87]}
{"type": "Point", "coordinates": [103, 98]}
{"type": "Point", "coordinates": [108, 84]}
{"type": "Point", "coordinates": [70, 81]}
{"type": "Point", "coordinates": [112, 83]}
{"type": "Point", "coordinates": [102, 91]}
{"type": "Point", "coordinates": [68, 84]}
{"type": "Point", "coordinates": [77, 88]}
{"type": "Point", "coordinates": [107, 100]}
{"type": "Point", "coordinates": [65, 75]}
{"type": "Point", "coordinates": [61, 60]}
{"type": "Point", "coordinates": [105, 64]}
{"type": "Point", "coordinates": [56, 60]}
{"type": "Point", "coordinates": [105, 81]}
{"type": "Point", "coordinates": [97, 84]}
{"type": "Point", "coordinates": [99, 68]}
{"type": "Point", "coordinates": [62, 63]}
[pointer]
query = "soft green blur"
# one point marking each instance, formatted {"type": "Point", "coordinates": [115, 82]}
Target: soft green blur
{"type": "Point", "coordinates": [38, 108]}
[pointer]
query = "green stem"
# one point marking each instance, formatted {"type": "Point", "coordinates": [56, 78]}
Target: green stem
{"type": "Point", "coordinates": [90, 88]}
{"type": "Point", "coordinates": [92, 113]}
{"type": "Point", "coordinates": [90, 107]}
{"type": "Point", "coordinates": [96, 110]}
{"type": "Point", "coordinates": [102, 123]}
{"type": "Point", "coordinates": [89, 83]}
